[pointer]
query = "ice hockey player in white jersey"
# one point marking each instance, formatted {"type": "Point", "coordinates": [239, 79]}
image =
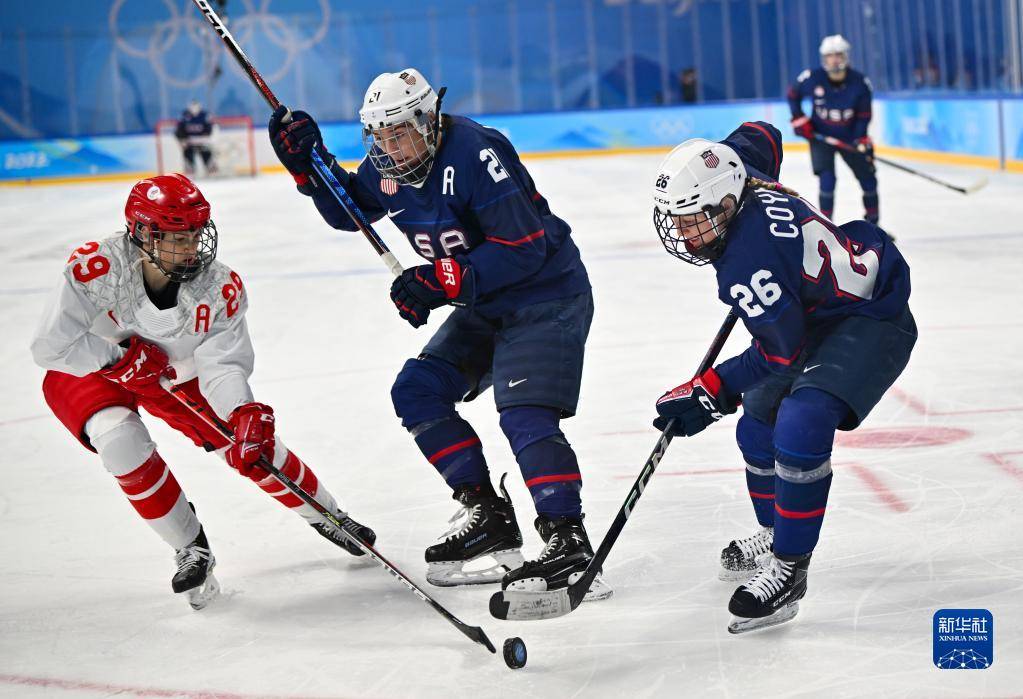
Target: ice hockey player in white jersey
{"type": "Point", "coordinates": [153, 302]}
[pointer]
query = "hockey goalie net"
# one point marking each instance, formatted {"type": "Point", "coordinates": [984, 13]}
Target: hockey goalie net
{"type": "Point", "coordinates": [232, 143]}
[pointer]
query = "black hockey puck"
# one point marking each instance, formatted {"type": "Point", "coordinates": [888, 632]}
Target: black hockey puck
{"type": "Point", "coordinates": [514, 653]}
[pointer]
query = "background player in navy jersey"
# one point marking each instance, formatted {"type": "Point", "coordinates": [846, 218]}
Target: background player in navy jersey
{"type": "Point", "coordinates": [827, 307]}
{"type": "Point", "coordinates": [523, 308]}
{"type": "Point", "coordinates": [842, 109]}
{"type": "Point", "coordinates": [193, 132]}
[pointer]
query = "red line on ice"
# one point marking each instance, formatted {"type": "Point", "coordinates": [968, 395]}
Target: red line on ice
{"type": "Point", "coordinates": [80, 685]}
{"type": "Point", "coordinates": [919, 407]}
{"type": "Point", "coordinates": [999, 459]}
{"type": "Point", "coordinates": [882, 491]}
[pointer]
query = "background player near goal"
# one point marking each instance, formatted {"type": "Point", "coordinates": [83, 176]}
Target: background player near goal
{"type": "Point", "coordinates": [828, 310]}
{"type": "Point", "coordinates": [459, 193]}
{"type": "Point", "coordinates": [154, 302]}
{"type": "Point", "coordinates": [193, 132]}
{"type": "Point", "coordinates": [841, 98]}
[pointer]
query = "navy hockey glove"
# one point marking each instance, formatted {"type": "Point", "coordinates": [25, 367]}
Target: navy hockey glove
{"type": "Point", "coordinates": [694, 405]}
{"type": "Point", "coordinates": [418, 290]}
{"type": "Point", "coordinates": [294, 142]}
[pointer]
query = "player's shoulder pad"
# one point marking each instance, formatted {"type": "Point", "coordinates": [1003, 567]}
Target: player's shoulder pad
{"type": "Point", "coordinates": [103, 259]}
{"type": "Point", "coordinates": [759, 145]}
{"type": "Point", "coordinates": [220, 288]}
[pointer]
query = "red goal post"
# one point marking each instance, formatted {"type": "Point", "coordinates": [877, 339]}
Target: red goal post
{"type": "Point", "coordinates": [232, 141]}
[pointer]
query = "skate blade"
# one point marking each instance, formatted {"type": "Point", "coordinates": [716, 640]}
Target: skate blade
{"type": "Point", "coordinates": [454, 573]}
{"type": "Point", "coordinates": [744, 625]}
{"type": "Point", "coordinates": [199, 597]}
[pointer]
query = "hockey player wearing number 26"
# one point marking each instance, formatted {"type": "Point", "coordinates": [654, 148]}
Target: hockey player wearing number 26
{"type": "Point", "coordinates": [522, 312]}
{"type": "Point", "coordinates": [827, 307]}
{"type": "Point", "coordinates": [153, 302]}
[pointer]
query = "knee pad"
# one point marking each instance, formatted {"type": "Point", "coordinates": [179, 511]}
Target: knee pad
{"type": "Point", "coordinates": [427, 389]}
{"type": "Point", "coordinates": [756, 442]}
{"type": "Point", "coordinates": [121, 439]}
{"type": "Point", "coordinates": [804, 433]}
{"type": "Point", "coordinates": [827, 181]}
{"type": "Point", "coordinates": [529, 424]}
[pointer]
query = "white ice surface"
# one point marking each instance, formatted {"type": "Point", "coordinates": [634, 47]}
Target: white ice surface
{"type": "Point", "coordinates": [85, 602]}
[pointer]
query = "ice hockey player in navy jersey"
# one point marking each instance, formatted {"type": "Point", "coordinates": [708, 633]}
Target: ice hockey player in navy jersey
{"type": "Point", "coordinates": [827, 307]}
{"type": "Point", "coordinates": [194, 132]}
{"type": "Point", "coordinates": [523, 306]}
{"type": "Point", "coordinates": [842, 109]}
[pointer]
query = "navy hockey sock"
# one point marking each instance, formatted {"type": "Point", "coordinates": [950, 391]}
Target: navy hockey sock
{"type": "Point", "coordinates": [756, 441]}
{"type": "Point", "coordinates": [546, 459]}
{"type": "Point", "coordinates": [804, 434]}
{"type": "Point", "coordinates": [454, 449]}
{"type": "Point", "coordinates": [827, 195]}
{"type": "Point", "coordinates": [871, 206]}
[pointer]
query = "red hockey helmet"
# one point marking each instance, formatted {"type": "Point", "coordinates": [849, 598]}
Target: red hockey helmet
{"type": "Point", "coordinates": [169, 219]}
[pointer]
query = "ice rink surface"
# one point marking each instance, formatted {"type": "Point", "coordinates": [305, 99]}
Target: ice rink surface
{"type": "Point", "coordinates": [925, 510]}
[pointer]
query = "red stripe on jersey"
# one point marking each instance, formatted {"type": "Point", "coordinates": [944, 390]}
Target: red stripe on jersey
{"type": "Point", "coordinates": [795, 514]}
{"type": "Point", "coordinates": [774, 146]}
{"type": "Point", "coordinates": [558, 478]}
{"type": "Point", "coordinates": [452, 449]}
{"type": "Point", "coordinates": [159, 502]}
{"type": "Point", "coordinates": [520, 241]}
{"type": "Point", "coordinates": [536, 196]}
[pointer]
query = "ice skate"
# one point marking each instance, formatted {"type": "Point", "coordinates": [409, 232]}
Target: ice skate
{"type": "Point", "coordinates": [561, 563]}
{"type": "Point", "coordinates": [483, 544]}
{"type": "Point", "coordinates": [771, 596]}
{"type": "Point", "coordinates": [331, 534]}
{"type": "Point", "coordinates": [194, 576]}
{"type": "Point", "coordinates": [739, 560]}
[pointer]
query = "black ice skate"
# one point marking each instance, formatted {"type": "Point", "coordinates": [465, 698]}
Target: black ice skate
{"type": "Point", "coordinates": [771, 596]}
{"type": "Point", "coordinates": [331, 534]}
{"type": "Point", "coordinates": [739, 560]}
{"type": "Point", "coordinates": [483, 531]}
{"type": "Point", "coordinates": [562, 561]}
{"type": "Point", "coordinates": [195, 572]}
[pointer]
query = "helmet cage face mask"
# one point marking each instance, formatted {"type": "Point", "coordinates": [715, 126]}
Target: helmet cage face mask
{"type": "Point", "coordinates": [687, 242]}
{"type": "Point", "coordinates": [176, 258]}
{"type": "Point", "coordinates": [404, 152]}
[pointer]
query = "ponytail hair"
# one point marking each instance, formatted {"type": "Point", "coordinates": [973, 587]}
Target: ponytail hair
{"type": "Point", "coordinates": [757, 183]}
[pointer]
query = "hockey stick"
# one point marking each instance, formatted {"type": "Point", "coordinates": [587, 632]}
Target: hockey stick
{"type": "Point", "coordinates": [848, 148]}
{"type": "Point", "coordinates": [474, 633]}
{"type": "Point", "coordinates": [326, 176]}
{"type": "Point", "coordinates": [519, 605]}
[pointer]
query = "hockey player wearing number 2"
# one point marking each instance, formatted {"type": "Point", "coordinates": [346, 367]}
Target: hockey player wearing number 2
{"type": "Point", "coordinates": [522, 312]}
{"type": "Point", "coordinates": [153, 302]}
{"type": "Point", "coordinates": [827, 307]}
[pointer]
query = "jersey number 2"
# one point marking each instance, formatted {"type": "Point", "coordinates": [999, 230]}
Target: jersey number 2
{"type": "Point", "coordinates": [494, 167]}
{"type": "Point", "coordinates": [853, 275]}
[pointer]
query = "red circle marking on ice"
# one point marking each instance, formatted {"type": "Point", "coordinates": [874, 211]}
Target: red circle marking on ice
{"type": "Point", "coordinates": [901, 437]}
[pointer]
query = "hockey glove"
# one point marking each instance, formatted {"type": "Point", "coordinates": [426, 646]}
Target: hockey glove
{"type": "Point", "coordinates": [294, 142]}
{"type": "Point", "coordinates": [802, 126]}
{"type": "Point", "coordinates": [694, 405]}
{"type": "Point", "coordinates": [418, 290]}
{"type": "Point", "coordinates": [253, 427]}
{"type": "Point", "coordinates": [866, 146]}
{"type": "Point", "coordinates": [140, 369]}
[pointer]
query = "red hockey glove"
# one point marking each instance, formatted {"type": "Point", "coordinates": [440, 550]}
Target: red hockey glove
{"type": "Point", "coordinates": [140, 369]}
{"type": "Point", "coordinates": [253, 427]}
{"type": "Point", "coordinates": [802, 126]}
{"type": "Point", "coordinates": [418, 290]}
{"type": "Point", "coordinates": [694, 405]}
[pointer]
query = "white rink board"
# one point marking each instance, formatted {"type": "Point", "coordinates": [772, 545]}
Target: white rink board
{"type": "Point", "coordinates": [85, 602]}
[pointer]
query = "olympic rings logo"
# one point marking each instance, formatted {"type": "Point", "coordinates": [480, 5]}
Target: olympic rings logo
{"type": "Point", "coordinates": [187, 23]}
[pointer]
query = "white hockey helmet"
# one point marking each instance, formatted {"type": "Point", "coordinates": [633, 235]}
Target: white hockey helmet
{"type": "Point", "coordinates": [835, 44]}
{"type": "Point", "coordinates": [697, 191]}
{"type": "Point", "coordinates": [401, 122]}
